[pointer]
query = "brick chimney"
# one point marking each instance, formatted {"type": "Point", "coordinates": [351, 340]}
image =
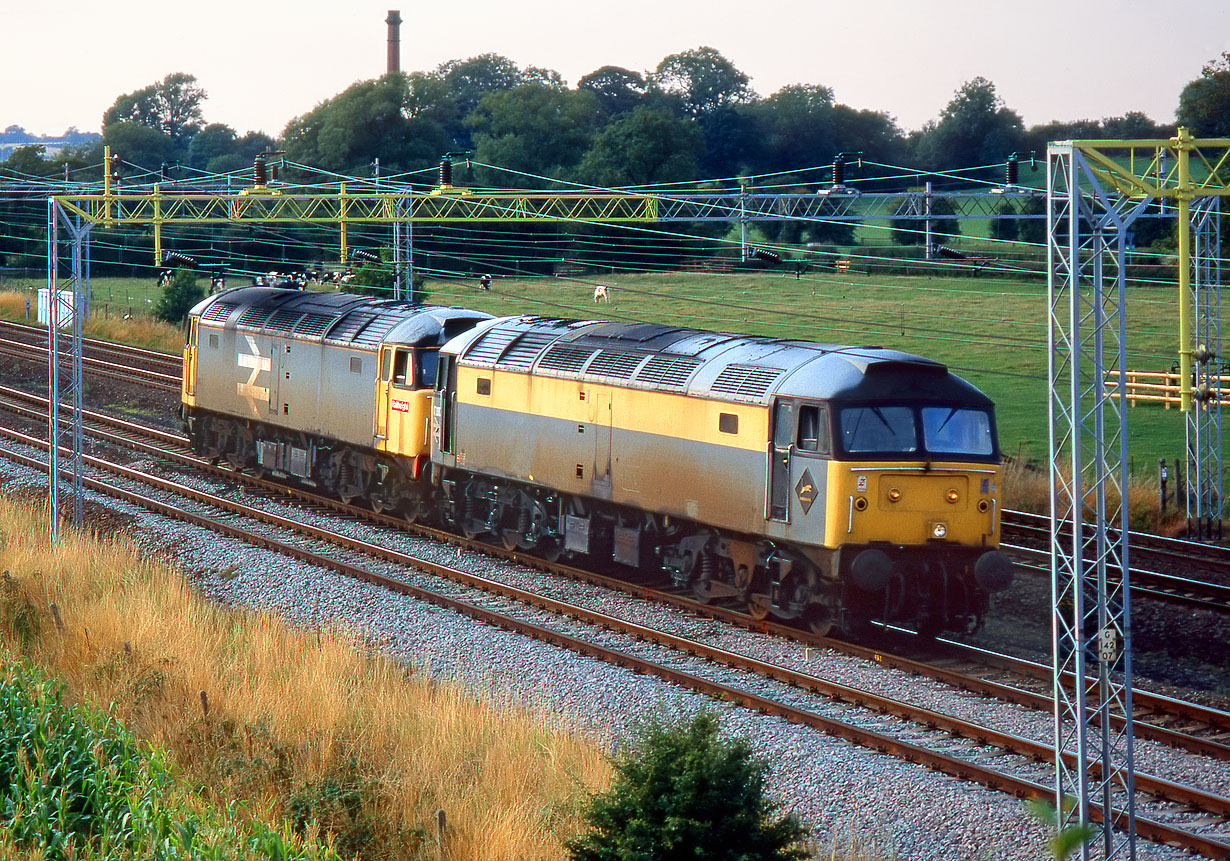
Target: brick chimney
{"type": "Point", "coordinates": [394, 22]}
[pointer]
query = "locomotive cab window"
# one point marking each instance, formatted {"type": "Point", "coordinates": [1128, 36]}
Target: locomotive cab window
{"type": "Point", "coordinates": [952, 430]}
{"type": "Point", "coordinates": [428, 364]}
{"type": "Point", "coordinates": [386, 369]}
{"type": "Point", "coordinates": [813, 429]}
{"type": "Point", "coordinates": [402, 371]}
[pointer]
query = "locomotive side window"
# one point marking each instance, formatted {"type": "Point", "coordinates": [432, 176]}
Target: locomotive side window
{"type": "Point", "coordinates": [878, 429]}
{"type": "Point", "coordinates": [387, 367]}
{"type": "Point", "coordinates": [213, 341]}
{"type": "Point", "coordinates": [356, 365]}
{"type": "Point", "coordinates": [813, 429]}
{"type": "Point", "coordinates": [484, 386]}
{"type": "Point", "coordinates": [401, 369]}
{"type": "Point", "coordinates": [728, 423]}
{"type": "Point", "coordinates": [952, 430]}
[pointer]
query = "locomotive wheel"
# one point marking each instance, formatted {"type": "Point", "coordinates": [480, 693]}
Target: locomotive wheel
{"type": "Point", "coordinates": [509, 540]}
{"type": "Point", "coordinates": [703, 590]}
{"type": "Point", "coordinates": [378, 505]}
{"type": "Point", "coordinates": [757, 611]}
{"type": "Point", "coordinates": [818, 620]}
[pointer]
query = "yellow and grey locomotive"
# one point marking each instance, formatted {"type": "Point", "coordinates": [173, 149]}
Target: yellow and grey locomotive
{"type": "Point", "coordinates": [327, 389]}
{"type": "Point", "coordinates": [831, 485]}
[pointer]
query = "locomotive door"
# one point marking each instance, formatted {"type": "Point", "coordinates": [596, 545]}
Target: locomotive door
{"type": "Point", "coordinates": [781, 448]}
{"type": "Point", "coordinates": [809, 467]}
{"type": "Point", "coordinates": [278, 365]}
{"type": "Point", "coordinates": [382, 396]}
{"type": "Point", "coordinates": [600, 418]}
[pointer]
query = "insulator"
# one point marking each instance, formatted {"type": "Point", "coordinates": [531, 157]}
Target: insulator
{"type": "Point", "coordinates": [446, 171]}
{"type": "Point", "coordinates": [767, 256]}
{"type": "Point", "coordinates": [181, 259]}
{"type": "Point", "coordinates": [365, 255]}
{"type": "Point", "coordinates": [839, 171]}
{"type": "Point", "coordinates": [258, 169]}
{"type": "Point", "coordinates": [1011, 171]}
{"type": "Point", "coordinates": [162, 172]}
{"type": "Point", "coordinates": [950, 253]}
{"type": "Point", "coordinates": [273, 171]}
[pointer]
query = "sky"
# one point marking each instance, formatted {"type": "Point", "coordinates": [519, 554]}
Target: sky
{"type": "Point", "coordinates": [264, 62]}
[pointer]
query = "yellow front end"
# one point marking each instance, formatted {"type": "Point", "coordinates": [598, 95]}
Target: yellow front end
{"type": "Point", "coordinates": [407, 430]}
{"type": "Point", "coordinates": [187, 393]}
{"type": "Point", "coordinates": [909, 505]}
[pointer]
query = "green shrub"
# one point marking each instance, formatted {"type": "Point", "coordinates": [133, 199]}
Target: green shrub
{"type": "Point", "coordinates": [178, 297]}
{"type": "Point", "coordinates": [680, 791]}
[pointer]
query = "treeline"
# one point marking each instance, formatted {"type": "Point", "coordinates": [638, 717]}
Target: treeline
{"type": "Point", "coordinates": [694, 119]}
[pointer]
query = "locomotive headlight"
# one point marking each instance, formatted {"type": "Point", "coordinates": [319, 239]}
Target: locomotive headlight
{"type": "Point", "coordinates": [952, 495]}
{"type": "Point", "coordinates": [894, 495]}
{"type": "Point", "coordinates": [939, 529]}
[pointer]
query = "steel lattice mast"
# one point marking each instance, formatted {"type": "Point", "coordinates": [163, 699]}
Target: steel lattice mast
{"type": "Point", "coordinates": [1095, 191]}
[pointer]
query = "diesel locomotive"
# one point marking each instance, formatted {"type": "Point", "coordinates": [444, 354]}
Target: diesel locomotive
{"type": "Point", "coordinates": [826, 484]}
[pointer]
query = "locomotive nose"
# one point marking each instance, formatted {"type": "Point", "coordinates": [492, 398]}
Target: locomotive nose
{"type": "Point", "coordinates": [993, 571]}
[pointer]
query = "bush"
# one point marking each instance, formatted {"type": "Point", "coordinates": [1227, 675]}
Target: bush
{"type": "Point", "coordinates": [680, 791]}
{"type": "Point", "coordinates": [178, 297]}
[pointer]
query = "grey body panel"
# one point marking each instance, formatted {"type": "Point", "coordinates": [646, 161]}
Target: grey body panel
{"type": "Point", "coordinates": [715, 485]}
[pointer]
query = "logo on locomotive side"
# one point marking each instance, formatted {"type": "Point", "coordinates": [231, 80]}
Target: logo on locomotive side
{"type": "Point", "coordinates": [401, 406]}
{"type": "Point", "coordinates": [805, 490]}
{"type": "Point", "coordinates": [255, 362]}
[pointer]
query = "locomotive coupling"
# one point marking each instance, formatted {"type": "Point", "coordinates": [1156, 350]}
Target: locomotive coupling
{"type": "Point", "coordinates": [993, 571]}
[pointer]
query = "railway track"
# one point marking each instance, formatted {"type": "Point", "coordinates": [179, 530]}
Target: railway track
{"type": "Point", "coordinates": [1169, 793]}
{"type": "Point", "coordinates": [985, 673]}
{"type": "Point", "coordinates": [997, 760]}
{"type": "Point", "coordinates": [114, 361]}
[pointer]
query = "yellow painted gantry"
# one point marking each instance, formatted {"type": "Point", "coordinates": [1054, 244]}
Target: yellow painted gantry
{"type": "Point", "coordinates": [1181, 169]}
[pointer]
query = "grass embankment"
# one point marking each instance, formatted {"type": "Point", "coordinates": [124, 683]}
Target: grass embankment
{"type": "Point", "coordinates": [300, 728]}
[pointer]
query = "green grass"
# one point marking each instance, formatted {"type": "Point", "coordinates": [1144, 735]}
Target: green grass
{"type": "Point", "coordinates": [992, 331]}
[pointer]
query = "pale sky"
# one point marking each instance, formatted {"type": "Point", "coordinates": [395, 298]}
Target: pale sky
{"type": "Point", "coordinates": [264, 62]}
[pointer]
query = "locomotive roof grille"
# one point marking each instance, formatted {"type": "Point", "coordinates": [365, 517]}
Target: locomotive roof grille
{"type": "Point", "coordinates": [254, 317]}
{"type": "Point", "coordinates": [284, 320]}
{"type": "Point", "coordinates": [748, 381]}
{"type": "Point", "coordinates": [565, 359]}
{"type": "Point", "coordinates": [615, 364]}
{"type": "Point", "coordinates": [486, 350]}
{"type": "Point", "coordinates": [373, 333]}
{"type": "Point", "coordinates": [219, 311]}
{"type": "Point", "coordinates": [525, 349]}
{"type": "Point", "coordinates": [351, 325]}
{"type": "Point", "coordinates": [314, 324]}
{"type": "Point", "coordinates": [668, 371]}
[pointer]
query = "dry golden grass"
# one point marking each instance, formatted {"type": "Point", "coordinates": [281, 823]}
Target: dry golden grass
{"type": "Point", "coordinates": [1028, 489]}
{"type": "Point", "coordinates": [296, 722]}
{"type": "Point", "coordinates": [140, 331]}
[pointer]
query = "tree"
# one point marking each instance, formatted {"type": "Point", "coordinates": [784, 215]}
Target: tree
{"type": "Point", "coordinates": [139, 144]}
{"type": "Point", "coordinates": [1204, 104]}
{"type": "Point", "coordinates": [974, 129]}
{"type": "Point", "coordinates": [681, 791]}
{"type": "Point", "coordinates": [534, 128]}
{"type": "Point", "coordinates": [172, 106]}
{"type": "Point", "coordinates": [645, 147]}
{"type": "Point", "coordinates": [703, 80]}
{"type": "Point", "coordinates": [619, 90]}
{"type": "Point", "coordinates": [181, 293]}
{"type": "Point", "coordinates": [366, 121]}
